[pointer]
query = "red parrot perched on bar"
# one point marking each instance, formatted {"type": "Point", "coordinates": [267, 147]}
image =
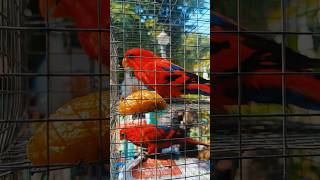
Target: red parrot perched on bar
{"type": "Point", "coordinates": [158, 137]}
{"type": "Point", "coordinates": [160, 74]}
{"type": "Point", "coordinates": [259, 55]}
{"type": "Point", "coordinates": [85, 15]}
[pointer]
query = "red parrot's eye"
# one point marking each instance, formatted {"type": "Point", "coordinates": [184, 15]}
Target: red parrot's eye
{"type": "Point", "coordinates": [122, 135]}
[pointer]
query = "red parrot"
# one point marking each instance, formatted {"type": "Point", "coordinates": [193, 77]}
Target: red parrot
{"type": "Point", "coordinates": [85, 15]}
{"type": "Point", "coordinates": [259, 55]}
{"type": "Point", "coordinates": [160, 74]}
{"type": "Point", "coordinates": [155, 137]}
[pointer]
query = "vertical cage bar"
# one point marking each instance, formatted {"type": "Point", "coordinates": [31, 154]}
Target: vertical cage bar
{"type": "Point", "coordinates": [47, 113]}
{"type": "Point", "coordinates": [239, 89]}
{"type": "Point", "coordinates": [283, 87]}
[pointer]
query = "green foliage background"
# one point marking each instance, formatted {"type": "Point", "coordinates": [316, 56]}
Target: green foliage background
{"type": "Point", "coordinates": [137, 24]}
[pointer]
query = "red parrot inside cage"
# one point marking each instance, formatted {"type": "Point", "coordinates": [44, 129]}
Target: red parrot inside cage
{"type": "Point", "coordinates": [85, 15]}
{"type": "Point", "coordinates": [158, 137]}
{"type": "Point", "coordinates": [164, 77]}
{"type": "Point", "coordinates": [258, 54]}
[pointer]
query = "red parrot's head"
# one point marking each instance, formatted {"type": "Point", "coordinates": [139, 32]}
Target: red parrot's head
{"type": "Point", "coordinates": [135, 57]}
{"type": "Point", "coordinates": [131, 134]}
{"type": "Point", "coordinates": [122, 134]}
{"type": "Point", "coordinates": [128, 134]}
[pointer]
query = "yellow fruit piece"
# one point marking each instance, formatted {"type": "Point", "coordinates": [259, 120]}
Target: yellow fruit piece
{"type": "Point", "coordinates": [74, 140]}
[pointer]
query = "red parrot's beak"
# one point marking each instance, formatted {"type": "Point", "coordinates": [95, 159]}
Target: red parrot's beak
{"type": "Point", "coordinates": [124, 63]}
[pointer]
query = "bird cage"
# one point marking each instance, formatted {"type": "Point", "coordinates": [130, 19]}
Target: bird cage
{"type": "Point", "coordinates": [13, 87]}
{"type": "Point", "coordinates": [265, 126]}
{"type": "Point", "coordinates": [54, 89]}
{"type": "Point", "coordinates": [175, 33]}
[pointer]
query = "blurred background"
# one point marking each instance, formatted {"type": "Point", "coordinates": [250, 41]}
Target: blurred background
{"type": "Point", "coordinates": [267, 130]}
{"type": "Point", "coordinates": [54, 89]}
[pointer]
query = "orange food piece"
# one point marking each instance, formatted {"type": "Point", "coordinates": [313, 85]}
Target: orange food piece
{"type": "Point", "coordinates": [141, 101]}
{"type": "Point", "coordinates": [73, 141]}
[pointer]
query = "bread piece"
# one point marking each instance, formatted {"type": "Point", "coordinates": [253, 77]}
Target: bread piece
{"type": "Point", "coordinates": [141, 101]}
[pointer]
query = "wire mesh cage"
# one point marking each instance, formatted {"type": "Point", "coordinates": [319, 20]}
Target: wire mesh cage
{"type": "Point", "coordinates": [54, 89]}
{"type": "Point", "coordinates": [57, 58]}
{"type": "Point", "coordinates": [13, 88]}
{"type": "Point", "coordinates": [264, 123]}
{"type": "Point", "coordinates": [160, 71]}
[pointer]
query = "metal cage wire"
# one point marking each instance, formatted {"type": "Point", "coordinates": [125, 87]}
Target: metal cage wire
{"type": "Point", "coordinates": [240, 137]}
{"type": "Point", "coordinates": [37, 54]}
{"type": "Point", "coordinates": [270, 143]}
{"type": "Point", "coordinates": [13, 88]}
{"type": "Point", "coordinates": [157, 22]}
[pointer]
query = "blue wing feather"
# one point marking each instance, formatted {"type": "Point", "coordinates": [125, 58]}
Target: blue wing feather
{"type": "Point", "coordinates": [173, 67]}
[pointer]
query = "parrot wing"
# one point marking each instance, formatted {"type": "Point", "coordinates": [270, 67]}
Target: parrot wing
{"type": "Point", "coordinates": [170, 72]}
{"type": "Point", "coordinates": [223, 23]}
{"type": "Point", "coordinates": [301, 90]}
{"type": "Point", "coordinates": [153, 134]}
{"type": "Point", "coordinates": [255, 49]}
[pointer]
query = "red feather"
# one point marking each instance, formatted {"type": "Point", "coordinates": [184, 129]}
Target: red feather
{"type": "Point", "coordinates": [258, 54]}
{"type": "Point", "coordinates": [85, 15]}
{"type": "Point", "coordinates": [166, 78]}
{"type": "Point", "coordinates": [155, 137]}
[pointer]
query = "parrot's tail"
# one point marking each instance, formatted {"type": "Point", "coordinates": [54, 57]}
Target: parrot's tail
{"type": "Point", "coordinates": [202, 89]}
{"type": "Point", "coordinates": [305, 62]}
{"type": "Point", "coordinates": [313, 63]}
{"type": "Point", "coordinates": [191, 141]}
{"type": "Point", "coordinates": [306, 87]}
{"type": "Point", "coordinates": [197, 85]}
